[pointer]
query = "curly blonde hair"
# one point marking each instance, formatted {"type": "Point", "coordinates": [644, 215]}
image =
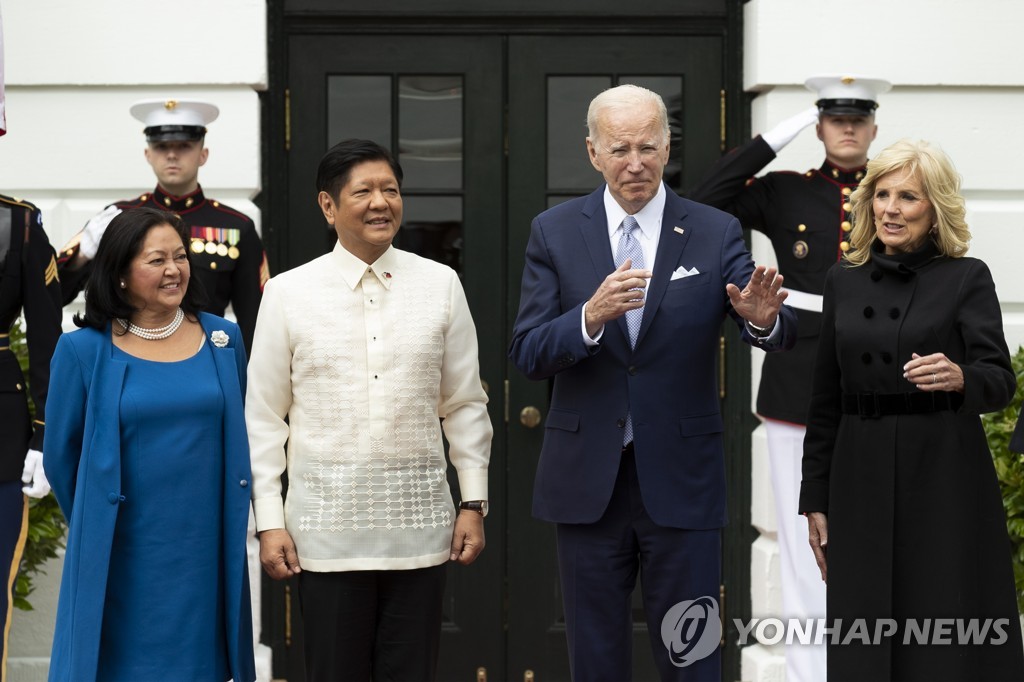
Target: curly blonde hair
{"type": "Point", "coordinates": [941, 185]}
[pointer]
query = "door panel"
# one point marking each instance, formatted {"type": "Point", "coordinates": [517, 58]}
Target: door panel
{"type": "Point", "coordinates": [551, 83]}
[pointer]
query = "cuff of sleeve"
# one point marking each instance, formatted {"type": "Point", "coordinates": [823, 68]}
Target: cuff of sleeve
{"type": "Point", "coordinates": [269, 513]}
{"type": "Point", "coordinates": [36, 441]}
{"type": "Point", "coordinates": [813, 497]}
{"type": "Point", "coordinates": [758, 332]}
{"type": "Point", "coordinates": [590, 342]}
{"type": "Point", "coordinates": [473, 484]}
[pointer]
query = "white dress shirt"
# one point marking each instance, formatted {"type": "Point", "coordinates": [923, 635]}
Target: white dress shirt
{"type": "Point", "coordinates": [353, 367]}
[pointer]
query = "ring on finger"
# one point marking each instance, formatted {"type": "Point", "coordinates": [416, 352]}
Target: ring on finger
{"type": "Point", "coordinates": [933, 378]}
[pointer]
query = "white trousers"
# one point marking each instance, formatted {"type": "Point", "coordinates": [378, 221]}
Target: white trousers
{"type": "Point", "coordinates": [803, 592]}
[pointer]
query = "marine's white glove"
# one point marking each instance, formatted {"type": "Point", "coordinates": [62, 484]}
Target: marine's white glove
{"type": "Point", "coordinates": [785, 132]}
{"type": "Point", "coordinates": [33, 475]}
{"type": "Point", "coordinates": [94, 231]}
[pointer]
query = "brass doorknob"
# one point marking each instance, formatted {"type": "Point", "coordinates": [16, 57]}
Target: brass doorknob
{"type": "Point", "coordinates": [529, 416]}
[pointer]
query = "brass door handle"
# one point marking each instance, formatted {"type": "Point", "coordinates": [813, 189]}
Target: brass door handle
{"type": "Point", "coordinates": [529, 416]}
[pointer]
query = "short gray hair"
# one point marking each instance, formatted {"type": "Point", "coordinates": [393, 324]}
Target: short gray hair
{"type": "Point", "coordinates": [623, 97]}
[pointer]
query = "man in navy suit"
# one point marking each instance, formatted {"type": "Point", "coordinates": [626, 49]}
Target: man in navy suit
{"type": "Point", "coordinates": [624, 293]}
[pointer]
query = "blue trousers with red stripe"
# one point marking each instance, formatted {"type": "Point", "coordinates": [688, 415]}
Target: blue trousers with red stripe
{"type": "Point", "coordinates": [13, 531]}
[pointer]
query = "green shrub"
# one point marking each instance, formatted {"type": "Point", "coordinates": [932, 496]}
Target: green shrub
{"type": "Point", "coordinates": [1010, 470]}
{"type": "Point", "coordinates": [46, 523]}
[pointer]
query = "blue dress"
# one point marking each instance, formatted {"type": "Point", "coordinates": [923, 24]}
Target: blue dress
{"type": "Point", "coordinates": [166, 561]}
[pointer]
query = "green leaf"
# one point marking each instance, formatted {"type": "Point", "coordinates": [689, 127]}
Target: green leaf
{"type": "Point", "coordinates": [1009, 468]}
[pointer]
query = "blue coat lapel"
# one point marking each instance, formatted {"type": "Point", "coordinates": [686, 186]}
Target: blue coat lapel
{"type": "Point", "coordinates": [670, 248]}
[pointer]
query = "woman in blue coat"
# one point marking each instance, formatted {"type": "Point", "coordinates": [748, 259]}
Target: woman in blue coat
{"type": "Point", "coordinates": [147, 454]}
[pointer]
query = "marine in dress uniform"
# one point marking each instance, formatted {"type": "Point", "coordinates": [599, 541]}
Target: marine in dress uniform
{"type": "Point", "coordinates": [807, 218]}
{"type": "Point", "coordinates": [227, 253]}
{"type": "Point", "coordinates": [28, 282]}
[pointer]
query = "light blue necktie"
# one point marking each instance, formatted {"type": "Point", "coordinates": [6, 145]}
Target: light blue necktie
{"type": "Point", "coordinates": [629, 247]}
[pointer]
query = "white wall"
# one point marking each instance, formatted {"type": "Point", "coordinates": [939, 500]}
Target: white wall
{"type": "Point", "coordinates": [958, 82]}
{"type": "Point", "coordinates": [72, 69]}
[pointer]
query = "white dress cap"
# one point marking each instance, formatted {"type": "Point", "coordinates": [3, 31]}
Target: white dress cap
{"type": "Point", "coordinates": [174, 119]}
{"type": "Point", "coordinates": [847, 94]}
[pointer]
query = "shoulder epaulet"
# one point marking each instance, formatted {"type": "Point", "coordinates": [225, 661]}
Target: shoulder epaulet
{"type": "Point", "coordinates": [14, 201]}
{"type": "Point", "coordinates": [227, 209]}
{"type": "Point", "coordinates": [132, 203]}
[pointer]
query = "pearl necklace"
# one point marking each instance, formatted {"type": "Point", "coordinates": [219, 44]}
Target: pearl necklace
{"type": "Point", "coordinates": [154, 334]}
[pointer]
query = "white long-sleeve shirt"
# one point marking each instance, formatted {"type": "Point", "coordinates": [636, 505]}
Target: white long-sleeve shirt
{"type": "Point", "coordinates": [363, 362]}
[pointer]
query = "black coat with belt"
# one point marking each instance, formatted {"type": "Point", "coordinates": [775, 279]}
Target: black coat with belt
{"type": "Point", "coordinates": [806, 217]}
{"type": "Point", "coordinates": [28, 282]}
{"type": "Point", "coordinates": [915, 517]}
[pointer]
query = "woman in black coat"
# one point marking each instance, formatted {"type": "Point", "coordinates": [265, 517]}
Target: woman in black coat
{"type": "Point", "coordinates": [905, 515]}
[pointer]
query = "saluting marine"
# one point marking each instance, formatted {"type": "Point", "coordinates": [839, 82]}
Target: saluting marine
{"type": "Point", "coordinates": [28, 282]}
{"type": "Point", "coordinates": [807, 217]}
{"type": "Point", "coordinates": [227, 253]}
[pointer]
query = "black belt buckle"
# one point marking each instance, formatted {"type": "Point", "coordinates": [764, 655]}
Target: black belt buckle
{"type": "Point", "coordinates": [868, 406]}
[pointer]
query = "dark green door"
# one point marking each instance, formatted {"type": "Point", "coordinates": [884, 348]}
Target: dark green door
{"type": "Point", "coordinates": [490, 131]}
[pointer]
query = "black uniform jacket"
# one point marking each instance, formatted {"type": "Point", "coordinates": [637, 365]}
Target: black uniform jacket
{"type": "Point", "coordinates": [806, 216]}
{"type": "Point", "coordinates": [28, 281]}
{"type": "Point", "coordinates": [915, 517]}
{"type": "Point", "coordinates": [227, 255]}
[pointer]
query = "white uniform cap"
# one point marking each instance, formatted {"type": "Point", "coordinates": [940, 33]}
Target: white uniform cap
{"type": "Point", "coordinates": [174, 119]}
{"type": "Point", "coordinates": [847, 94]}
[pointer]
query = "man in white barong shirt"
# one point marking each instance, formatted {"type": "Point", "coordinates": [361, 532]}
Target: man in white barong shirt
{"type": "Point", "coordinates": [360, 358]}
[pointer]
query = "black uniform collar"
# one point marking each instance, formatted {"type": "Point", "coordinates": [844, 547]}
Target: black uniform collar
{"type": "Point", "coordinates": [903, 264]}
{"type": "Point", "coordinates": [169, 202]}
{"type": "Point", "coordinates": [843, 176]}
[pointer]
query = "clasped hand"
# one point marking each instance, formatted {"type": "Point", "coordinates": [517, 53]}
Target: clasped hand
{"type": "Point", "coordinates": [621, 291]}
{"type": "Point", "coordinates": [760, 301]}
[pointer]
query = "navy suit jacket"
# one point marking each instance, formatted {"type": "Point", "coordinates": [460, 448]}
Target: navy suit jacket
{"type": "Point", "coordinates": [669, 381]}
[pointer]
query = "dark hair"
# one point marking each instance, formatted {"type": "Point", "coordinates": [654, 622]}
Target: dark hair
{"type": "Point", "coordinates": [336, 165]}
{"type": "Point", "coordinates": [105, 300]}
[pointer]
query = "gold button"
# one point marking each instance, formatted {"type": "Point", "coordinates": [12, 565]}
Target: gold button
{"type": "Point", "coordinates": [809, 173]}
{"type": "Point", "coordinates": [801, 228]}
{"type": "Point", "coordinates": [213, 265]}
{"type": "Point", "coordinates": [847, 207]}
{"type": "Point", "coordinates": [846, 226]}
{"type": "Point", "coordinates": [188, 202]}
{"type": "Point", "coordinates": [216, 204]}
{"type": "Point", "coordinates": [835, 173]}
{"type": "Point", "coordinates": [847, 191]}
{"type": "Point", "coordinates": [143, 197]}
{"type": "Point", "coordinates": [844, 246]}
{"type": "Point", "coordinates": [167, 201]}
{"type": "Point", "coordinates": [859, 175]}
{"type": "Point", "coordinates": [17, 386]}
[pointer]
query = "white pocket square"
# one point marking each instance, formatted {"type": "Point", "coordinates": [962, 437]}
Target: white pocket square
{"type": "Point", "coordinates": [681, 272]}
